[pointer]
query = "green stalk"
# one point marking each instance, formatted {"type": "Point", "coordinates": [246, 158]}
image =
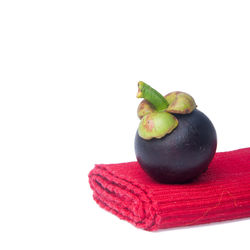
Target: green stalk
{"type": "Point", "coordinates": [151, 95]}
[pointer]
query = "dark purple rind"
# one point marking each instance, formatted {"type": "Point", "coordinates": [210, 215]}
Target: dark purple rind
{"type": "Point", "coordinates": [181, 155]}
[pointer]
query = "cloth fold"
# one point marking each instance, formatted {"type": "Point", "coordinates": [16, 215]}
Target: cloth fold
{"type": "Point", "coordinates": [222, 193]}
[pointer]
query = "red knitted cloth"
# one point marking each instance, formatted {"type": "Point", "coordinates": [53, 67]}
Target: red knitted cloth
{"type": "Point", "coordinates": [222, 193]}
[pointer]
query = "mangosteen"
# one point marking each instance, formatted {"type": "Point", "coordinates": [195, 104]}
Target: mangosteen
{"type": "Point", "coordinates": [175, 142]}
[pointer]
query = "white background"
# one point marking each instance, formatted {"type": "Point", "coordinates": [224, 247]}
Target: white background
{"type": "Point", "coordinates": [68, 81]}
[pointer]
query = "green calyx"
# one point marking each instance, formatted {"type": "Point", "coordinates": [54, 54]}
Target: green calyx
{"type": "Point", "coordinates": [180, 103]}
{"type": "Point", "coordinates": [154, 111]}
{"type": "Point", "coordinates": [157, 125]}
{"type": "Point", "coordinates": [144, 108]}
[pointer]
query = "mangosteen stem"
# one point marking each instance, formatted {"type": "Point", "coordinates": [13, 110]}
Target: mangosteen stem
{"type": "Point", "coordinates": [151, 95]}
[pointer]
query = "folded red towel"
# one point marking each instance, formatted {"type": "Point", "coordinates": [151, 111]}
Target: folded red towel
{"type": "Point", "coordinates": [222, 193]}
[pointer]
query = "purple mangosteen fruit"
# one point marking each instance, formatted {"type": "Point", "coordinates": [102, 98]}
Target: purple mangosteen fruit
{"type": "Point", "coordinates": [175, 142]}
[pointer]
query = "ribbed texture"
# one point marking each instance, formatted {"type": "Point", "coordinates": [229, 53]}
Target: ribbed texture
{"type": "Point", "coordinates": [222, 193]}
